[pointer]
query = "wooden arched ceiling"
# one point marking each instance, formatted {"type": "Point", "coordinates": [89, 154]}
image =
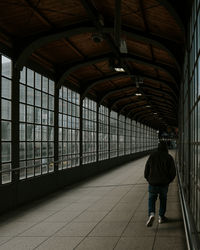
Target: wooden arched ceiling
{"type": "Point", "coordinates": [75, 42]}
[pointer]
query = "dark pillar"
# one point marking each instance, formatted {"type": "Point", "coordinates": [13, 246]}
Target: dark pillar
{"type": "Point", "coordinates": [56, 129]}
{"type": "Point", "coordinates": [15, 123]}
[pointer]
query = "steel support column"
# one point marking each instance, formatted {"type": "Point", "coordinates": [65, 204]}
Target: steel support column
{"type": "Point", "coordinates": [56, 129]}
{"type": "Point", "coordinates": [15, 123]}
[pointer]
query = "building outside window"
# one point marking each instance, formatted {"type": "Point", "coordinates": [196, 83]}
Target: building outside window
{"type": "Point", "coordinates": [89, 146]}
{"type": "Point", "coordinates": [69, 128]}
{"type": "Point", "coordinates": [128, 136]}
{"type": "Point", "coordinates": [103, 133]}
{"type": "Point", "coordinates": [36, 123]}
{"type": "Point", "coordinates": [121, 134]}
{"type": "Point", "coordinates": [5, 105]}
{"type": "Point", "coordinates": [113, 134]}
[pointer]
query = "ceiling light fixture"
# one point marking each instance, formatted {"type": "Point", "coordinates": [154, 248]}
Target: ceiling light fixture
{"type": "Point", "coordinates": [119, 69]}
{"type": "Point", "coordinates": [138, 94]}
{"type": "Point", "coordinates": [116, 65]}
{"type": "Point", "coordinates": [148, 106]}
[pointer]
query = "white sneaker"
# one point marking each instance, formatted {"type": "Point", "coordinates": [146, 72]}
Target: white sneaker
{"type": "Point", "coordinates": [150, 220]}
{"type": "Point", "coordinates": [161, 219]}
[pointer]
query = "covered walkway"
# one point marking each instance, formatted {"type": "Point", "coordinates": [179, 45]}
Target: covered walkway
{"type": "Point", "coordinates": [105, 212]}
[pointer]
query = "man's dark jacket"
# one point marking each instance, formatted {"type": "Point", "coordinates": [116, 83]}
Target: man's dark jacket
{"type": "Point", "coordinates": [160, 168]}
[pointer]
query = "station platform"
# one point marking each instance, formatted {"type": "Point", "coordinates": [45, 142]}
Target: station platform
{"type": "Point", "coordinates": [105, 212]}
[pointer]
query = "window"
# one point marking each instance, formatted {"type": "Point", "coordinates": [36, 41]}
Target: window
{"type": "Point", "coordinates": [89, 131]}
{"type": "Point", "coordinates": [5, 105]}
{"type": "Point", "coordinates": [36, 123]}
{"type": "Point", "coordinates": [128, 136]}
{"type": "Point", "coordinates": [133, 136]}
{"type": "Point", "coordinates": [113, 134]}
{"type": "Point", "coordinates": [69, 128]}
{"type": "Point", "coordinates": [103, 133]}
{"type": "Point", "coordinates": [121, 133]}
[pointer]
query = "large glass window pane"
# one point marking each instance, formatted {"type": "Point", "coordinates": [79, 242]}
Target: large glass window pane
{"type": "Point", "coordinates": [51, 118]}
{"type": "Point", "coordinates": [37, 150]}
{"type": "Point", "coordinates": [6, 67]}
{"type": "Point", "coordinates": [44, 133]}
{"type": "Point", "coordinates": [23, 75]}
{"type": "Point", "coordinates": [30, 150]}
{"type": "Point", "coordinates": [44, 100]}
{"type": "Point", "coordinates": [37, 98]}
{"type": "Point", "coordinates": [22, 113]}
{"type": "Point", "coordinates": [30, 168]}
{"type": "Point", "coordinates": [38, 167]}
{"type": "Point", "coordinates": [37, 115]}
{"type": "Point", "coordinates": [5, 131]}
{"type": "Point", "coordinates": [22, 93]}
{"type": "Point", "coordinates": [44, 116]}
{"type": "Point", "coordinates": [44, 149]}
{"type": "Point", "coordinates": [5, 88]}
{"type": "Point", "coordinates": [30, 95]}
{"type": "Point", "coordinates": [22, 134]}
{"type": "Point", "coordinates": [44, 84]}
{"type": "Point", "coordinates": [6, 176]}
{"type": "Point", "coordinates": [5, 152]}
{"type": "Point", "coordinates": [5, 109]}
{"type": "Point", "coordinates": [30, 113]}
{"type": "Point", "coordinates": [51, 87]}
{"type": "Point", "coordinates": [30, 77]}
{"type": "Point", "coordinates": [37, 133]}
{"type": "Point", "coordinates": [22, 173]}
{"type": "Point", "coordinates": [30, 132]}
{"type": "Point", "coordinates": [37, 81]}
{"type": "Point", "coordinates": [22, 151]}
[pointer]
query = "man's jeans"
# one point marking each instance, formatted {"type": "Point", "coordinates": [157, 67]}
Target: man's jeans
{"type": "Point", "coordinates": [153, 194]}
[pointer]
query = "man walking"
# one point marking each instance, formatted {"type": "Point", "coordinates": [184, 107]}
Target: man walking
{"type": "Point", "coordinates": [159, 172]}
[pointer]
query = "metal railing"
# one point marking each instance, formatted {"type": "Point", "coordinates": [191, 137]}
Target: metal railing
{"type": "Point", "coordinates": [192, 237]}
{"type": "Point", "coordinates": [38, 165]}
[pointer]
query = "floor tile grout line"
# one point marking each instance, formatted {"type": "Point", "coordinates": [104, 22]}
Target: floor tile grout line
{"type": "Point", "coordinates": [130, 220]}
{"type": "Point", "coordinates": [117, 185]}
{"type": "Point", "coordinates": [101, 220]}
{"type": "Point", "coordinates": [17, 235]}
{"type": "Point", "coordinates": [48, 237]}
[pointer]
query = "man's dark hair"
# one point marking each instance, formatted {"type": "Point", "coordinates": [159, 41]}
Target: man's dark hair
{"type": "Point", "coordinates": [162, 146]}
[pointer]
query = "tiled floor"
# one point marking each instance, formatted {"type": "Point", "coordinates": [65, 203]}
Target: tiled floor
{"type": "Point", "coordinates": [106, 212]}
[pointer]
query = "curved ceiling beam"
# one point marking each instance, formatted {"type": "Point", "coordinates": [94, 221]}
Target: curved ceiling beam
{"type": "Point", "coordinates": [103, 58]}
{"type": "Point", "coordinates": [88, 85]}
{"type": "Point", "coordinates": [149, 63]}
{"type": "Point", "coordinates": [52, 36]}
{"type": "Point", "coordinates": [130, 96]}
{"type": "Point", "coordinates": [165, 93]}
{"type": "Point", "coordinates": [149, 39]}
{"type": "Point", "coordinates": [79, 65]}
{"type": "Point", "coordinates": [129, 104]}
{"type": "Point", "coordinates": [139, 112]}
{"type": "Point", "coordinates": [147, 109]}
{"type": "Point", "coordinates": [153, 118]}
{"type": "Point", "coordinates": [164, 117]}
{"type": "Point", "coordinates": [40, 40]}
{"type": "Point", "coordinates": [95, 82]}
{"type": "Point", "coordinates": [117, 90]}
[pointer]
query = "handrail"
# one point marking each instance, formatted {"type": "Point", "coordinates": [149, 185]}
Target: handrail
{"type": "Point", "coordinates": [38, 165]}
{"type": "Point", "coordinates": [192, 238]}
